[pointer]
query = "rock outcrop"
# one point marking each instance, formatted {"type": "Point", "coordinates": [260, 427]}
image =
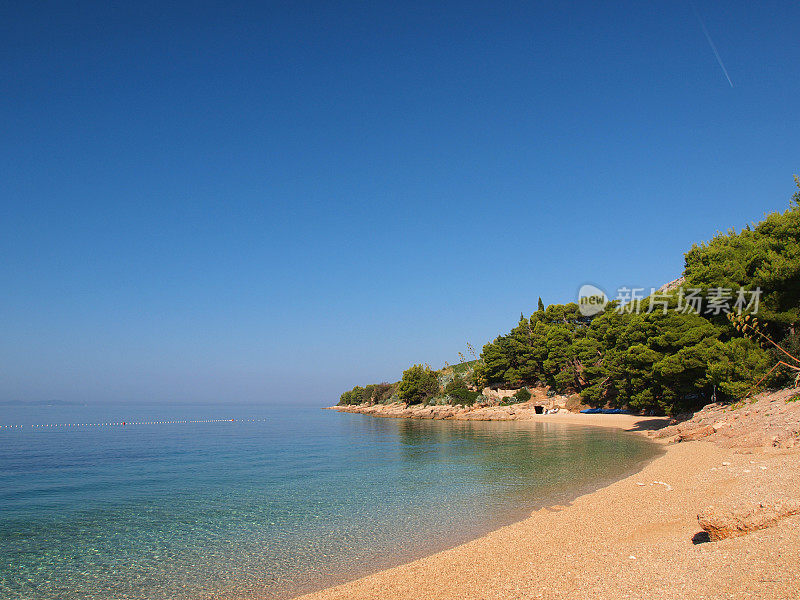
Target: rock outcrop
{"type": "Point", "coordinates": [721, 523]}
{"type": "Point", "coordinates": [770, 421]}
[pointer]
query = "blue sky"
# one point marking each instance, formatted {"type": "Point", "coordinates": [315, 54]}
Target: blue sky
{"type": "Point", "coordinates": [277, 201]}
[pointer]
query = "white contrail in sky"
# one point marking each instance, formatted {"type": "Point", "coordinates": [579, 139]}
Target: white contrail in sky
{"type": "Point", "coordinates": [711, 43]}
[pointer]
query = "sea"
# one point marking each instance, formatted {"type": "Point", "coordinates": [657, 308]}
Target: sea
{"type": "Point", "coordinates": [198, 501]}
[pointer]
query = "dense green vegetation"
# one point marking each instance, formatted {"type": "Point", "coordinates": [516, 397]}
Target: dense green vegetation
{"type": "Point", "coordinates": [765, 256]}
{"type": "Point", "coordinates": [377, 393]}
{"type": "Point", "coordinates": [419, 384]}
{"type": "Point", "coordinates": [459, 392]}
{"type": "Point", "coordinates": [663, 358]}
{"type": "Point", "coordinates": [522, 395]}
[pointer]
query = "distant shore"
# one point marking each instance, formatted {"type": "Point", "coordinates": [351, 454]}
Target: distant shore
{"type": "Point", "coordinates": [636, 537]}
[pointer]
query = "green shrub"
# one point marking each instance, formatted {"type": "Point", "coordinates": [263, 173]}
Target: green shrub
{"type": "Point", "coordinates": [354, 396]}
{"type": "Point", "coordinates": [459, 392]}
{"type": "Point", "coordinates": [523, 395]}
{"type": "Point", "coordinates": [419, 383]}
{"type": "Point", "coordinates": [383, 392]}
{"type": "Point", "coordinates": [735, 366]}
{"type": "Point", "coordinates": [443, 400]}
{"type": "Point", "coordinates": [465, 397]}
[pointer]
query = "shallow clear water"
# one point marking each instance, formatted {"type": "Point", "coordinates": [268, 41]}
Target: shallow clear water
{"type": "Point", "coordinates": [265, 508]}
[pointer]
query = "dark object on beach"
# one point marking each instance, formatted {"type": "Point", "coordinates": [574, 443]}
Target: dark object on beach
{"type": "Point", "coordinates": [701, 537]}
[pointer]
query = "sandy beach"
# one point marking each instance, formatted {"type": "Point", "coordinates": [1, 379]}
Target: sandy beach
{"type": "Point", "coordinates": [632, 539]}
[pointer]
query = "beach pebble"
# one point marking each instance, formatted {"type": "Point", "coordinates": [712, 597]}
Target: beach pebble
{"type": "Point", "coordinates": [726, 464]}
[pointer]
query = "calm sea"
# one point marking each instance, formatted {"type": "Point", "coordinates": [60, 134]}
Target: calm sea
{"type": "Point", "coordinates": [278, 501]}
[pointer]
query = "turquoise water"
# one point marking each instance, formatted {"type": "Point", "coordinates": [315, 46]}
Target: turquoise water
{"type": "Point", "coordinates": [291, 501]}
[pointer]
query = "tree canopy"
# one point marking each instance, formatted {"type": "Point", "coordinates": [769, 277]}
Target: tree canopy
{"type": "Point", "coordinates": [660, 358]}
{"type": "Point", "coordinates": [419, 383]}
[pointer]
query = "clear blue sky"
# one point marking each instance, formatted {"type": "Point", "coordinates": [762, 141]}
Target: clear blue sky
{"type": "Point", "coordinates": [281, 200]}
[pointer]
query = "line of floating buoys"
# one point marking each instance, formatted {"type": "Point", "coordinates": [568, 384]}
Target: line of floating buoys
{"type": "Point", "coordinates": [126, 423]}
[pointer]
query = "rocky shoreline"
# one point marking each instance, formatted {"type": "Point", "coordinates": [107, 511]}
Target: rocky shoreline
{"type": "Point", "coordinates": [493, 405]}
{"type": "Point", "coordinates": [766, 421]}
{"type": "Point", "coordinates": [399, 410]}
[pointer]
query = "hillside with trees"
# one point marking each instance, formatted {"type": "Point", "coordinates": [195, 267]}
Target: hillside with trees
{"type": "Point", "coordinates": [673, 351]}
